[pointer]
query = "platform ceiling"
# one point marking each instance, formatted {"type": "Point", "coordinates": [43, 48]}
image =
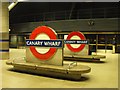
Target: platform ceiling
{"type": "Point", "coordinates": [27, 8]}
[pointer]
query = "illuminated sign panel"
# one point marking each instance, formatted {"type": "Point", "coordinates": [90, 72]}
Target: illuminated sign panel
{"type": "Point", "coordinates": [75, 42]}
{"type": "Point", "coordinates": [44, 43]}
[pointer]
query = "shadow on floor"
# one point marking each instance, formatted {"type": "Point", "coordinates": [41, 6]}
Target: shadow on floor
{"type": "Point", "coordinates": [54, 77]}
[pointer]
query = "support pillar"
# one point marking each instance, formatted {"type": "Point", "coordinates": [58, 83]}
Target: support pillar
{"type": "Point", "coordinates": [4, 31]}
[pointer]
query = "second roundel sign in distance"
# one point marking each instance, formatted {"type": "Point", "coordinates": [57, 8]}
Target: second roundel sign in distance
{"type": "Point", "coordinates": [81, 36]}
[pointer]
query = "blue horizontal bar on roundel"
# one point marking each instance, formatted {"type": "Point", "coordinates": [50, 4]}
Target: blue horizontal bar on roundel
{"type": "Point", "coordinates": [4, 40]}
{"type": "Point", "coordinates": [76, 42]}
{"type": "Point", "coordinates": [4, 50]}
{"type": "Point", "coordinates": [45, 43]}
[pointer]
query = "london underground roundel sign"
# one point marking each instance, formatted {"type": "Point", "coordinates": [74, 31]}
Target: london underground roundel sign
{"type": "Point", "coordinates": [81, 36]}
{"type": "Point", "coordinates": [51, 34]}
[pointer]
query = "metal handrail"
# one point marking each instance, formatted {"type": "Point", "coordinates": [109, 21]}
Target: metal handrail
{"type": "Point", "coordinates": [72, 64]}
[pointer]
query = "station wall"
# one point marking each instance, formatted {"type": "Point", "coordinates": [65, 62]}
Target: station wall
{"type": "Point", "coordinates": [101, 24]}
{"type": "Point", "coordinates": [101, 28]}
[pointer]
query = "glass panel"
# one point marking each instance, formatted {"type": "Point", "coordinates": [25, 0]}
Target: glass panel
{"type": "Point", "coordinates": [109, 47]}
{"type": "Point", "coordinates": [117, 47]}
{"type": "Point", "coordinates": [117, 39]}
{"type": "Point", "coordinates": [21, 41]}
{"type": "Point", "coordinates": [101, 47]}
{"type": "Point", "coordinates": [110, 39]}
{"type": "Point", "coordinates": [13, 41]}
{"type": "Point", "coordinates": [91, 38]}
{"type": "Point", "coordinates": [92, 48]}
{"type": "Point", "coordinates": [101, 39]}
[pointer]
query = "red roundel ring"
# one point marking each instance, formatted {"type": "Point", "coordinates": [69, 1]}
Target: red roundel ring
{"type": "Point", "coordinates": [52, 36]}
{"type": "Point", "coordinates": [81, 47]}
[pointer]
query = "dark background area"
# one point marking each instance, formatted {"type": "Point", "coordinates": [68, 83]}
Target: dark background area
{"type": "Point", "coordinates": [35, 9]}
{"type": "Point", "coordinates": [41, 7]}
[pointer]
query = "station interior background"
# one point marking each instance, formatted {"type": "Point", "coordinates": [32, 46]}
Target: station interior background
{"type": "Point", "coordinates": [97, 21]}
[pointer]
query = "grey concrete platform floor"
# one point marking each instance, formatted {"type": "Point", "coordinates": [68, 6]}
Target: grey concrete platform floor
{"type": "Point", "coordinates": [103, 75]}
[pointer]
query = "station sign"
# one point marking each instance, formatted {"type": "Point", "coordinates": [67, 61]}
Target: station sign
{"type": "Point", "coordinates": [45, 43]}
{"type": "Point", "coordinates": [82, 41]}
{"type": "Point", "coordinates": [53, 42]}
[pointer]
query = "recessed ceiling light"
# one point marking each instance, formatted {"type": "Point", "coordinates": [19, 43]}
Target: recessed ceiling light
{"type": "Point", "coordinates": [12, 5]}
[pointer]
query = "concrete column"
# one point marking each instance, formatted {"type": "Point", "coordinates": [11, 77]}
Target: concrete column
{"type": "Point", "coordinates": [113, 49]}
{"type": "Point", "coordinates": [0, 46]}
{"type": "Point", "coordinates": [4, 31]}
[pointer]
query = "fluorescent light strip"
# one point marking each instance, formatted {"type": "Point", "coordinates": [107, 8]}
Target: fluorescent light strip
{"type": "Point", "coordinates": [12, 5]}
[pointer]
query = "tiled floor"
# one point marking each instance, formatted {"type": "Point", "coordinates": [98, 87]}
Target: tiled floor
{"type": "Point", "coordinates": [103, 75]}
